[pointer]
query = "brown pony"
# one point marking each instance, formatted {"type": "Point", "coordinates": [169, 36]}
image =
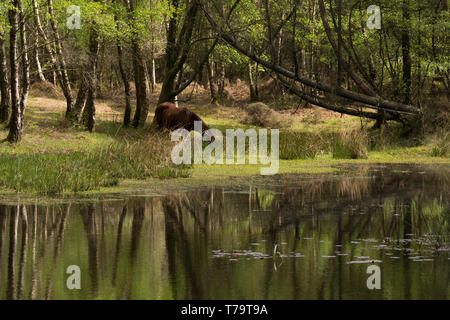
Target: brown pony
{"type": "Point", "coordinates": [168, 116]}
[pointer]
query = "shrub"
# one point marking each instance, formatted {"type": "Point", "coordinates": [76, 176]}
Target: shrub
{"type": "Point", "coordinates": [45, 89]}
{"type": "Point", "coordinates": [441, 144]}
{"type": "Point", "coordinates": [350, 145]}
{"type": "Point", "coordinates": [259, 114]}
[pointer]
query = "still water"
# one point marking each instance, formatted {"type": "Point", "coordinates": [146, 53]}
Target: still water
{"type": "Point", "coordinates": [299, 238]}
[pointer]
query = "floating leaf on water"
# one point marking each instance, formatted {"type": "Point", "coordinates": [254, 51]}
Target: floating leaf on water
{"type": "Point", "coordinates": [355, 242]}
{"type": "Point", "coordinates": [394, 257]}
{"type": "Point", "coordinates": [362, 257]}
{"type": "Point", "coordinates": [364, 261]}
{"type": "Point", "coordinates": [308, 238]}
{"type": "Point", "coordinates": [328, 257]}
{"type": "Point", "coordinates": [254, 244]}
{"type": "Point", "coordinates": [428, 260]}
{"type": "Point", "coordinates": [284, 243]}
{"type": "Point", "coordinates": [339, 245]}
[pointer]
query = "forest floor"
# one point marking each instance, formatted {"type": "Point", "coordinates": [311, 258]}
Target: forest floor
{"type": "Point", "coordinates": [46, 132]}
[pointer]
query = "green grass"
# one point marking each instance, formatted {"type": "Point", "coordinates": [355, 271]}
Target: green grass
{"type": "Point", "coordinates": [56, 159]}
{"type": "Point", "coordinates": [350, 145]}
{"type": "Point", "coordinates": [441, 144]}
{"type": "Point", "coordinates": [57, 173]}
{"type": "Point", "coordinates": [303, 145]}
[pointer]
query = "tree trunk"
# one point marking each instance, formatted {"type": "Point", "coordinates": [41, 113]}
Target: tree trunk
{"type": "Point", "coordinates": [142, 86]}
{"type": "Point", "coordinates": [370, 101]}
{"type": "Point", "coordinates": [25, 61]}
{"type": "Point", "coordinates": [336, 46]}
{"type": "Point", "coordinates": [36, 56]}
{"type": "Point", "coordinates": [140, 77]}
{"type": "Point", "coordinates": [80, 102]}
{"type": "Point", "coordinates": [212, 87]}
{"type": "Point", "coordinates": [253, 86]}
{"type": "Point", "coordinates": [62, 69]}
{"type": "Point", "coordinates": [16, 122]}
{"type": "Point", "coordinates": [5, 103]}
{"type": "Point", "coordinates": [126, 83]}
{"type": "Point", "coordinates": [177, 50]}
{"type": "Point", "coordinates": [406, 79]}
{"type": "Point", "coordinates": [89, 113]}
{"type": "Point", "coordinates": [53, 73]}
{"type": "Point", "coordinates": [220, 74]}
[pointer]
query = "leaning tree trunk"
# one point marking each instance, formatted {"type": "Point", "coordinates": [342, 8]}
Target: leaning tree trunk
{"type": "Point", "coordinates": [36, 56]}
{"type": "Point", "coordinates": [16, 122]}
{"type": "Point", "coordinates": [54, 71]}
{"type": "Point", "coordinates": [65, 81]}
{"type": "Point", "coordinates": [80, 102]}
{"type": "Point", "coordinates": [377, 103]}
{"type": "Point", "coordinates": [5, 103]}
{"type": "Point", "coordinates": [177, 50]}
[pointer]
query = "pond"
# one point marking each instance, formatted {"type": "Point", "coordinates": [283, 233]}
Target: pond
{"type": "Point", "coordinates": [301, 237]}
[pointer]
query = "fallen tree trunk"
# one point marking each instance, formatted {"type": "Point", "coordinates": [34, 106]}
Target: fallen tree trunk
{"type": "Point", "coordinates": [377, 103]}
{"type": "Point", "coordinates": [292, 88]}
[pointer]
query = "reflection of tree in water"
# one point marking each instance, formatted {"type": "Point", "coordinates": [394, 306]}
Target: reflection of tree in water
{"type": "Point", "coordinates": [13, 225]}
{"type": "Point", "coordinates": [375, 204]}
{"type": "Point", "coordinates": [87, 212]}
{"type": "Point", "coordinates": [118, 243]}
{"type": "Point", "coordinates": [28, 228]}
{"type": "Point", "coordinates": [180, 247]}
{"type": "Point", "coordinates": [186, 227]}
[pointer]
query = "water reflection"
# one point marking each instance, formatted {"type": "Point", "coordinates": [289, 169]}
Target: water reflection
{"type": "Point", "coordinates": [293, 240]}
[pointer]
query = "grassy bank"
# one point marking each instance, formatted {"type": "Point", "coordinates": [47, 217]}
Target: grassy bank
{"type": "Point", "coordinates": [54, 158]}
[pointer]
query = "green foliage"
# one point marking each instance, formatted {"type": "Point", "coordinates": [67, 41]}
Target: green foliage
{"type": "Point", "coordinates": [4, 7]}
